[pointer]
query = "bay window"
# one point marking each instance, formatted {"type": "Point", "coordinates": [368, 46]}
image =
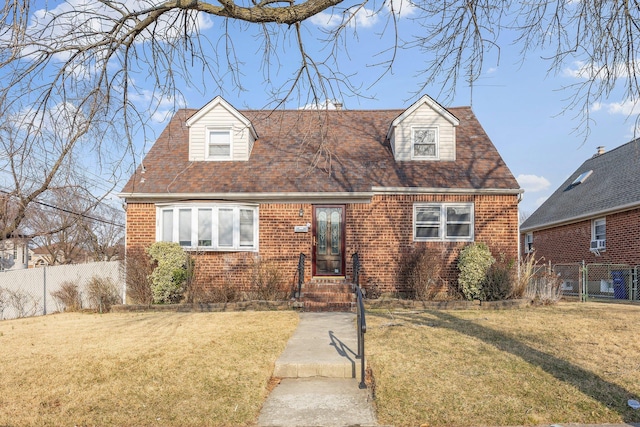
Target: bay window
{"type": "Point", "coordinates": [216, 227]}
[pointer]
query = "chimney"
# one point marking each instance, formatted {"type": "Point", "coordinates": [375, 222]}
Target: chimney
{"type": "Point", "coordinates": [600, 150]}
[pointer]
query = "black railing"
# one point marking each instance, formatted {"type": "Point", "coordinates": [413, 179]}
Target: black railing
{"type": "Point", "coordinates": [361, 321]}
{"type": "Point", "coordinates": [300, 273]}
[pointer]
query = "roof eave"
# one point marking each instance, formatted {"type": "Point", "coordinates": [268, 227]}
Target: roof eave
{"type": "Point", "coordinates": [578, 218]}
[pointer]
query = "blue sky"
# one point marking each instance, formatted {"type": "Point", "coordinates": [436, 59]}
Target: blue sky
{"type": "Point", "coordinates": [520, 105]}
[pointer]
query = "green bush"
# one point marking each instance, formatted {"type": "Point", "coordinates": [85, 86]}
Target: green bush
{"type": "Point", "coordinates": [474, 263]}
{"type": "Point", "coordinates": [170, 274]}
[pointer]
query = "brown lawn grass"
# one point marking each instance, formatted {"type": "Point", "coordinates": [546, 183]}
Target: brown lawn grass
{"type": "Point", "coordinates": [571, 362]}
{"type": "Point", "coordinates": [142, 369]}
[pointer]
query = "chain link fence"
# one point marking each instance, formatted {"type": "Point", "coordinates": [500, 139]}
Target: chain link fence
{"type": "Point", "coordinates": [31, 292]}
{"type": "Point", "coordinates": [598, 281]}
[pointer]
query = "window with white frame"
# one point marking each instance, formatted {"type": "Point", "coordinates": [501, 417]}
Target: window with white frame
{"type": "Point", "coordinates": [443, 221]}
{"type": "Point", "coordinates": [216, 227]}
{"type": "Point", "coordinates": [528, 243]}
{"type": "Point", "coordinates": [219, 146]}
{"type": "Point", "coordinates": [424, 143]}
{"type": "Point", "coordinates": [599, 234]}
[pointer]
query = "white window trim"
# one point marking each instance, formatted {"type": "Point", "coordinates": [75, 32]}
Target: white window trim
{"type": "Point", "coordinates": [215, 207]}
{"type": "Point", "coordinates": [593, 230]}
{"type": "Point", "coordinates": [442, 237]}
{"type": "Point", "coordinates": [437, 155]}
{"type": "Point", "coordinates": [208, 131]}
{"type": "Point", "coordinates": [528, 243]}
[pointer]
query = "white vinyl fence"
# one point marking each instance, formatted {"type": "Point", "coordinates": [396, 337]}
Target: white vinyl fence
{"type": "Point", "coordinates": [26, 293]}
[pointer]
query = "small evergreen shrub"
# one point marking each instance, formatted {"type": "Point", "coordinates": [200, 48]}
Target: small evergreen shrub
{"type": "Point", "coordinates": [68, 296]}
{"type": "Point", "coordinates": [170, 274]}
{"type": "Point", "coordinates": [474, 263]}
{"type": "Point", "coordinates": [102, 293]}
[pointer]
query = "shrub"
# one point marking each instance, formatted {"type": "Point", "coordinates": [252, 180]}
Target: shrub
{"type": "Point", "coordinates": [268, 282]}
{"type": "Point", "coordinates": [169, 276]}
{"type": "Point", "coordinates": [421, 273]}
{"type": "Point", "coordinates": [473, 263]}
{"type": "Point", "coordinates": [138, 277]}
{"type": "Point", "coordinates": [68, 296]}
{"type": "Point", "coordinates": [499, 281]}
{"type": "Point", "coordinates": [4, 301]}
{"type": "Point", "coordinates": [226, 293]}
{"type": "Point", "coordinates": [527, 269]}
{"type": "Point", "coordinates": [545, 288]}
{"type": "Point", "coordinates": [25, 305]}
{"type": "Point", "coordinates": [102, 293]}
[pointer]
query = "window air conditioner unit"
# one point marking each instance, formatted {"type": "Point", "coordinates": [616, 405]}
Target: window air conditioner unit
{"type": "Point", "coordinates": [597, 245]}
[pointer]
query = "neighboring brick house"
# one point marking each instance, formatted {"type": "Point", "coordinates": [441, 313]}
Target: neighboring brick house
{"type": "Point", "coordinates": [595, 214]}
{"type": "Point", "coordinates": [241, 185]}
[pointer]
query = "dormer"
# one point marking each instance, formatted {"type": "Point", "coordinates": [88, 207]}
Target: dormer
{"type": "Point", "coordinates": [219, 132]}
{"type": "Point", "coordinates": [425, 131]}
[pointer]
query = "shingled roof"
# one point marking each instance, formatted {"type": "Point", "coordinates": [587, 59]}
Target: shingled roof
{"type": "Point", "coordinates": [613, 185]}
{"type": "Point", "coordinates": [344, 151]}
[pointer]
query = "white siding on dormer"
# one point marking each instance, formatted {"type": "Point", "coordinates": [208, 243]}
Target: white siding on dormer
{"type": "Point", "coordinates": [424, 116]}
{"type": "Point", "coordinates": [220, 117]}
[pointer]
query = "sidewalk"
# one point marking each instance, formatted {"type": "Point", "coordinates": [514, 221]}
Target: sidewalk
{"type": "Point", "coordinates": [319, 371]}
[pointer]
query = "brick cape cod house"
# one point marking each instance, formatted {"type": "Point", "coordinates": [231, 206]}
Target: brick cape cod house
{"type": "Point", "coordinates": [594, 216]}
{"type": "Point", "coordinates": [237, 185]}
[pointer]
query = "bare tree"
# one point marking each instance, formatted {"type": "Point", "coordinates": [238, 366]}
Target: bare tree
{"type": "Point", "coordinates": [91, 57]}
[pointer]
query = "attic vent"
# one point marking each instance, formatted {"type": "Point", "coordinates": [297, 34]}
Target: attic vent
{"type": "Point", "coordinates": [580, 179]}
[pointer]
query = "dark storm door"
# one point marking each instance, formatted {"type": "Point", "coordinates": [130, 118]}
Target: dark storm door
{"type": "Point", "coordinates": [328, 240]}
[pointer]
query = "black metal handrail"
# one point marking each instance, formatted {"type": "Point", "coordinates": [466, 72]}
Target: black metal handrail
{"type": "Point", "coordinates": [301, 273]}
{"type": "Point", "coordinates": [361, 321]}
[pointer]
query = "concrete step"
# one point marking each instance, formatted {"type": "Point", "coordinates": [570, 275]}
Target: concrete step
{"type": "Point", "coordinates": [323, 345]}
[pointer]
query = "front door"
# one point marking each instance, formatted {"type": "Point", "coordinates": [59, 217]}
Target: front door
{"type": "Point", "coordinates": [328, 240]}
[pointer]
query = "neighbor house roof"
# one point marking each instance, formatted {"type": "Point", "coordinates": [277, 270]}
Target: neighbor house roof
{"type": "Point", "coordinates": [336, 152]}
{"type": "Point", "coordinates": [612, 185]}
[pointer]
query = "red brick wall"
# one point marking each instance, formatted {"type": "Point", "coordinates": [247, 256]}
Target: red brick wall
{"type": "Point", "coordinates": [381, 231]}
{"type": "Point", "coordinates": [570, 243]}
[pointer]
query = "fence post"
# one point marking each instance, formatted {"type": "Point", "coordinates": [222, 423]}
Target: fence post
{"type": "Point", "coordinates": [44, 290]}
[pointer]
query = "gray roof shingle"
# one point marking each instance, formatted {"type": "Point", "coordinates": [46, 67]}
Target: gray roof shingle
{"type": "Point", "coordinates": [613, 185]}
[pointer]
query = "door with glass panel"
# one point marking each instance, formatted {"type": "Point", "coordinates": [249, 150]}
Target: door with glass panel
{"type": "Point", "coordinates": [328, 240]}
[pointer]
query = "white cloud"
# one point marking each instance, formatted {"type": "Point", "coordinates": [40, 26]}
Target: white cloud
{"type": "Point", "coordinates": [591, 70]}
{"type": "Point", "coordinates": [533, 183]}
{"type": "Point", "coordinates": [628, 107]}
{"type": "Point", "coordinates": [73, 25]}
{"type": "Point", "coordinates": [361, 18]}
{"type": "Point", "coordinates": [402, 8]}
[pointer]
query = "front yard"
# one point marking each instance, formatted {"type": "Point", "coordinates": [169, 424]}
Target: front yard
{"type": "Point", "coordinates": [566, 363]}
{"type": "Point", "coordinates": [165, 369]}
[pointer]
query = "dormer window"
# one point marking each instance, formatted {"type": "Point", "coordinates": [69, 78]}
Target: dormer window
{"type": "Point", "coordinates": [425, 143]}
{"type": "Point", "coordinates": [219, 144]}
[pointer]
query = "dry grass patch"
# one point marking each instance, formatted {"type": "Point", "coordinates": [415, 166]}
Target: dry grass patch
{"type": "Point", "coordinates": [565, 363]}
{"type": "Point", "coordinates": [167, 369]}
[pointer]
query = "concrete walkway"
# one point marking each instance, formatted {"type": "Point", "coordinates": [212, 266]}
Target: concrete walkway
{"type": "Point", "coordinates": [320, 377]}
